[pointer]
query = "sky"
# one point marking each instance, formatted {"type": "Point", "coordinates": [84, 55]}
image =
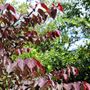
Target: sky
{"type": "Point", "coordinates": [81, 42]}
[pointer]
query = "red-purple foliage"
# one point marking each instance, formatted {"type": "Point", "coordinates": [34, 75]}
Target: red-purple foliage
{"type": "Point", "coordinates": [60, 7]}
{"type": "Point", "coordinates": [15, 31]}
{"type": "Point", "coordinates": [30, 74]}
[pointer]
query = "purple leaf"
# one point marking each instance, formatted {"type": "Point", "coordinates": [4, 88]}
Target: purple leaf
{"type": "Point", "coordinates": [67, 86]}
{"type": "Point", "coordinates": [75, 71]}
{"type": "Point", "coordinates": [65, 76]}
{"type": "Point", "coordinates": [68, 71]}
{"type": "Point", "coordinates": [30, 63]}
{"type": "Point", "coordinates": [2, 7]}
{"type": "Point", "coordinates": [21, 64]}
{"type": "Point", "coordinates": [41, 82]}
{"type": "Point", "coordinates": [53, 12]}
{"type": "Point", "coordinates": [57, 33]}
{"type": "Point", "coordinates": [18, 51]}
{"type": "Point", "coordinates": [59, 87]}
{"type": "Point", "coordinates": [10, 67]}
{"type": "Point", "coordinates": [76, 85]}
{"type": "Point", "coordinates": [44, 6]}
{"type": "Point", "coordinates": [9, 7]}
{"type": "Point", "coordinates": [88, 85]}
{"type": "Point", "coordinates": [60, 7]}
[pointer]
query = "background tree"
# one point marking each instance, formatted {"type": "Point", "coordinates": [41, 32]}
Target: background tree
{"type": "Point", "coordinates": [50, 42]}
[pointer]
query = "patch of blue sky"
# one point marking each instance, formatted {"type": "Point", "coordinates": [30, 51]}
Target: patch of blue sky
{"type": "Point", "coordinates": [82, 42]}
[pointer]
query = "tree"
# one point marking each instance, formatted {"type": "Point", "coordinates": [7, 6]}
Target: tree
{"type": "Point", "coordinates": [21, 64]}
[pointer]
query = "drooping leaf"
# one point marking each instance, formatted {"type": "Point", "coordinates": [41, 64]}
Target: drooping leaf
{"type": "Point", "coordinates": [85, 85]}
{"type": "Point", "coordinates": [21, 64]}
{"type": "Point", "coordinates": [41, 82]}
{"type": "Point", "coordinates": [10, 67]}
{"type": "Point", "coordinates": [42, 13]}
{"type": "Point", "coordinates": [75, 71]}
{"type": "Point", "coordinates": [44, 6]}
{"type": "Point", "coordinates": [30, 63]}
{"type": "Point", "coordinates": [18, 51]}
{"type": "Point", "coordinates": [57, 33]}
{"type": "Point", "coordinates": [40, 66]}
{"type": "Point", "coordinates": [2, 7]}
{"type": "Point", "coordinates": [9, 7]}
{"type": "Point", "coordinates": [76, 85]}
{"type": "Point", "coordinates": [53, 12]}
{"type": "Point", "coordinates": [60, 7]}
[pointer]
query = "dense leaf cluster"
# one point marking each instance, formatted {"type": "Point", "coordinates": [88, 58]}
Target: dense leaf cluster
{"type": "Point", "coordinates": [29, 73]}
